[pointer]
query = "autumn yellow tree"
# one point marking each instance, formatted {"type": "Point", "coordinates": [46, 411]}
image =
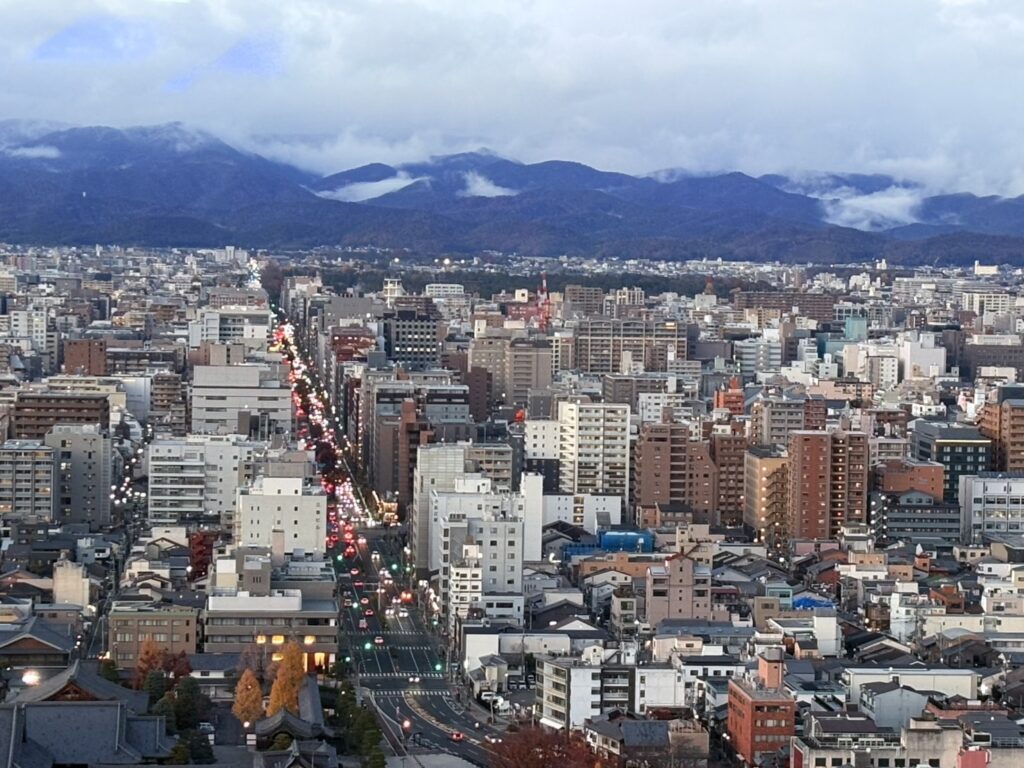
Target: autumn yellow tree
{"type": "Point", "coordinates": [291, 674]}
{"type": "Point", "coordinates": [151, 658]}
{"type": "Point", "coordinates": [248, 706]}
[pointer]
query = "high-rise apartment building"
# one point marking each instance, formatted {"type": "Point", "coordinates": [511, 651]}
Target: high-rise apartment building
{"type": "Point", "coordinates": [36, 412]}
{"type": "Point", "coordinates": [197, 478]}
{"type": "Point", "coordinates": [828, 482]}
{"type": "Point", "coordinates": [593, 454]}
{"type": "Point", "coordinates": [27, 480]}
{"type": "Point", "coordinates": [773, 418]}
{"type": "Point", "coordinates": [1002, 421]}
{"type": "Point", "coordinates": [766, 494]}
{"type": "Point", "coordinates": [728, 452]}
{"type": "Point", "coordinates": [669, 467]}
{"type": "Point", "coordinates": [83, 457]}
{"type": "Point", "coordinates": [614, 345]}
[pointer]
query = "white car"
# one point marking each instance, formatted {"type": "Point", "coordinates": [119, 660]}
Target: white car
{"type": "Point", "coordinates": [414, 679]}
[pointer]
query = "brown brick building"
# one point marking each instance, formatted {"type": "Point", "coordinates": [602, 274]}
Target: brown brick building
{"type": "Point", "coordinates": [36, 413]}
{"type": "Point", "coordinates": [670, 468]}
{"type": "Point", "coordinates": [828, 482]}
{"type": "Point", "coordinates": [86, 357]}
{"type": "Point", "coordinates": [762, 717]}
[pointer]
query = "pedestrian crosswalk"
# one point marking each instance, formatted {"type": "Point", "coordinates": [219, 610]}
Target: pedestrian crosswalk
{"type": "Point", "coordinates": [379, 692]}
{"type": "Point", "coordinates": [405, 675]}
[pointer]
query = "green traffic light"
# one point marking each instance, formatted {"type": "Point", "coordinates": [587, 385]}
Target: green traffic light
{"type": "Point", "coordinates": [437, 667]}
{"type": "Point", "coordinates": [367, 646]}
{"type": "Point", "coordinates": [394, 566]}
{"type": "Point", "coordinates": [348, 659]}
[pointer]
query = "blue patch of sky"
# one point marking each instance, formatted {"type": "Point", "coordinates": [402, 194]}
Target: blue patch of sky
{"type": "Point", "coordinates": [98, 38]}
{"type": "Point", "coordinates": [250, 56]}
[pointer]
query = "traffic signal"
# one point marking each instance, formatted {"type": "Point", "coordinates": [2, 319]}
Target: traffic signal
{"type": "Point", "coordinates": [437, 667]}
{"type": "Point", "coordinates": [367, 646]}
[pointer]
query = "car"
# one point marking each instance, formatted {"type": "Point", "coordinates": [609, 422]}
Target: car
{"type": "Point", "coordinates": [375, 555]}
{"type": "Point", "coordinates": [363, 624]}
{"type": "Point", "coordinates": [368, 612]}
{"type": "Point", "coordinates": [206, 728]}
{"type": "Point", "coordinates": [361, 540]}
{"type": "Point", "coordinates": [364, 601]}
{"type": "Point", "coordinates": [414, 679]}
{"type": "Point", "coordinates": [359, 584]}
{"type": "Point", "coordinates": [487, 695]}
{"type": "Point", "coordinates": [378, 640]}
{"type": "Point", "coordinates": [354, 572]}
{"type": "Point", "coordinates": [492, 739]}
{"type": "Point", "coordinates": [403, 614]}
{"type": "Point", "coordinates": [348, 602]}
{"type": "Point", "coordinates": [350, 551]}
{"type": "Point", "coordinates": [458, 736]}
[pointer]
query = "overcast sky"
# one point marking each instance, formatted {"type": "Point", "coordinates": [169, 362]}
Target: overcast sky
{"type": "Point", "coordinates": [929, 89]}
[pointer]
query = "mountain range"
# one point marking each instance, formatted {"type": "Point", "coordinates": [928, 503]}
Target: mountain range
{"type": "Point", "coordinates": [170, 185]}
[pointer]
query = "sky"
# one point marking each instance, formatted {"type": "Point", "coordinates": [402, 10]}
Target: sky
{"type": "Point", "coordinates": [929, 90]}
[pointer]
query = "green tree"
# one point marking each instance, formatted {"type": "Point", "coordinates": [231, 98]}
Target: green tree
{"type": "Point", "coordinates": [165, 708]}
{"type": "Point", "coordinates": [371, 740]}
{"type": "Point", "coordinates": [248, 706]}
{"type": "Point", "coordinates": [376, 759]}
{"type": "Point", "coordinates": [155, 685]}
{"type": "Point", "coordinates": [200, 749]}
{"type": "Point", "coordinates": [289, 678]}
{"type": "Point", "coordinates": [190, 704]}
{"type": "Point", "coordinates": [180, 754]}
{"type": "Point", "coordinates": [281, 742]}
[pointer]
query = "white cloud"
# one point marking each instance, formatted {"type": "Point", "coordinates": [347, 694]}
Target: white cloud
{"type": "Point", "coordinates": [887, 208]}
{"type": "Point", "coordinates": [478, 185]}
{"type": "Point", "coordinates": [367, 190]}
{"type": "Point", "coordinates": [32, 153]}
{"type": "Point", "coordinates": [916, 88]}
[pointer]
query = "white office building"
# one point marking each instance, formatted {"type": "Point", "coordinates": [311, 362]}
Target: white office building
{"type": "Point", "coordinates": [438, 466]}
{"type": "Point", "coordinates": [480, 547]}
{"type": "Point", "coordinates": [292, 510]}
{"type": "Point", "coordinates": [247, 399]}
{"type": "Point", "coordinates": [249, 326]}
{"type": "Point", "coordinates": [991, 503]}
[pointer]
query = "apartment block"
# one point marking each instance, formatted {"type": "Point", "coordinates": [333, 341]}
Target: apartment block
{"type": "Point", "coordinates": [1002, 421]}
{"type": "Point", "coordinates": [613, 345]}
{"type": "Point", "coordinates": [671, 468]}
{"type": "Point", "coordinates": [766, 494]}
{"type": "Point", "coordinates": [36, 412]}
{"type": "Point", "coordinates": [27, 480]}
{"type": "Point", "coordinates": [828, 482]}
{"type": "Point", "coordinates": [83, 461]}
{"type": "Point", "coordinates": [594, 455]}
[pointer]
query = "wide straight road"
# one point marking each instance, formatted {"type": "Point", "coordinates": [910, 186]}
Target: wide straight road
{"type": "Point", "coordinates": [396, 665]}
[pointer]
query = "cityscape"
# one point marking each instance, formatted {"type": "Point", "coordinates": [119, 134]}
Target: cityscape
{"type": "Point", "coordinates": [419, 385]}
